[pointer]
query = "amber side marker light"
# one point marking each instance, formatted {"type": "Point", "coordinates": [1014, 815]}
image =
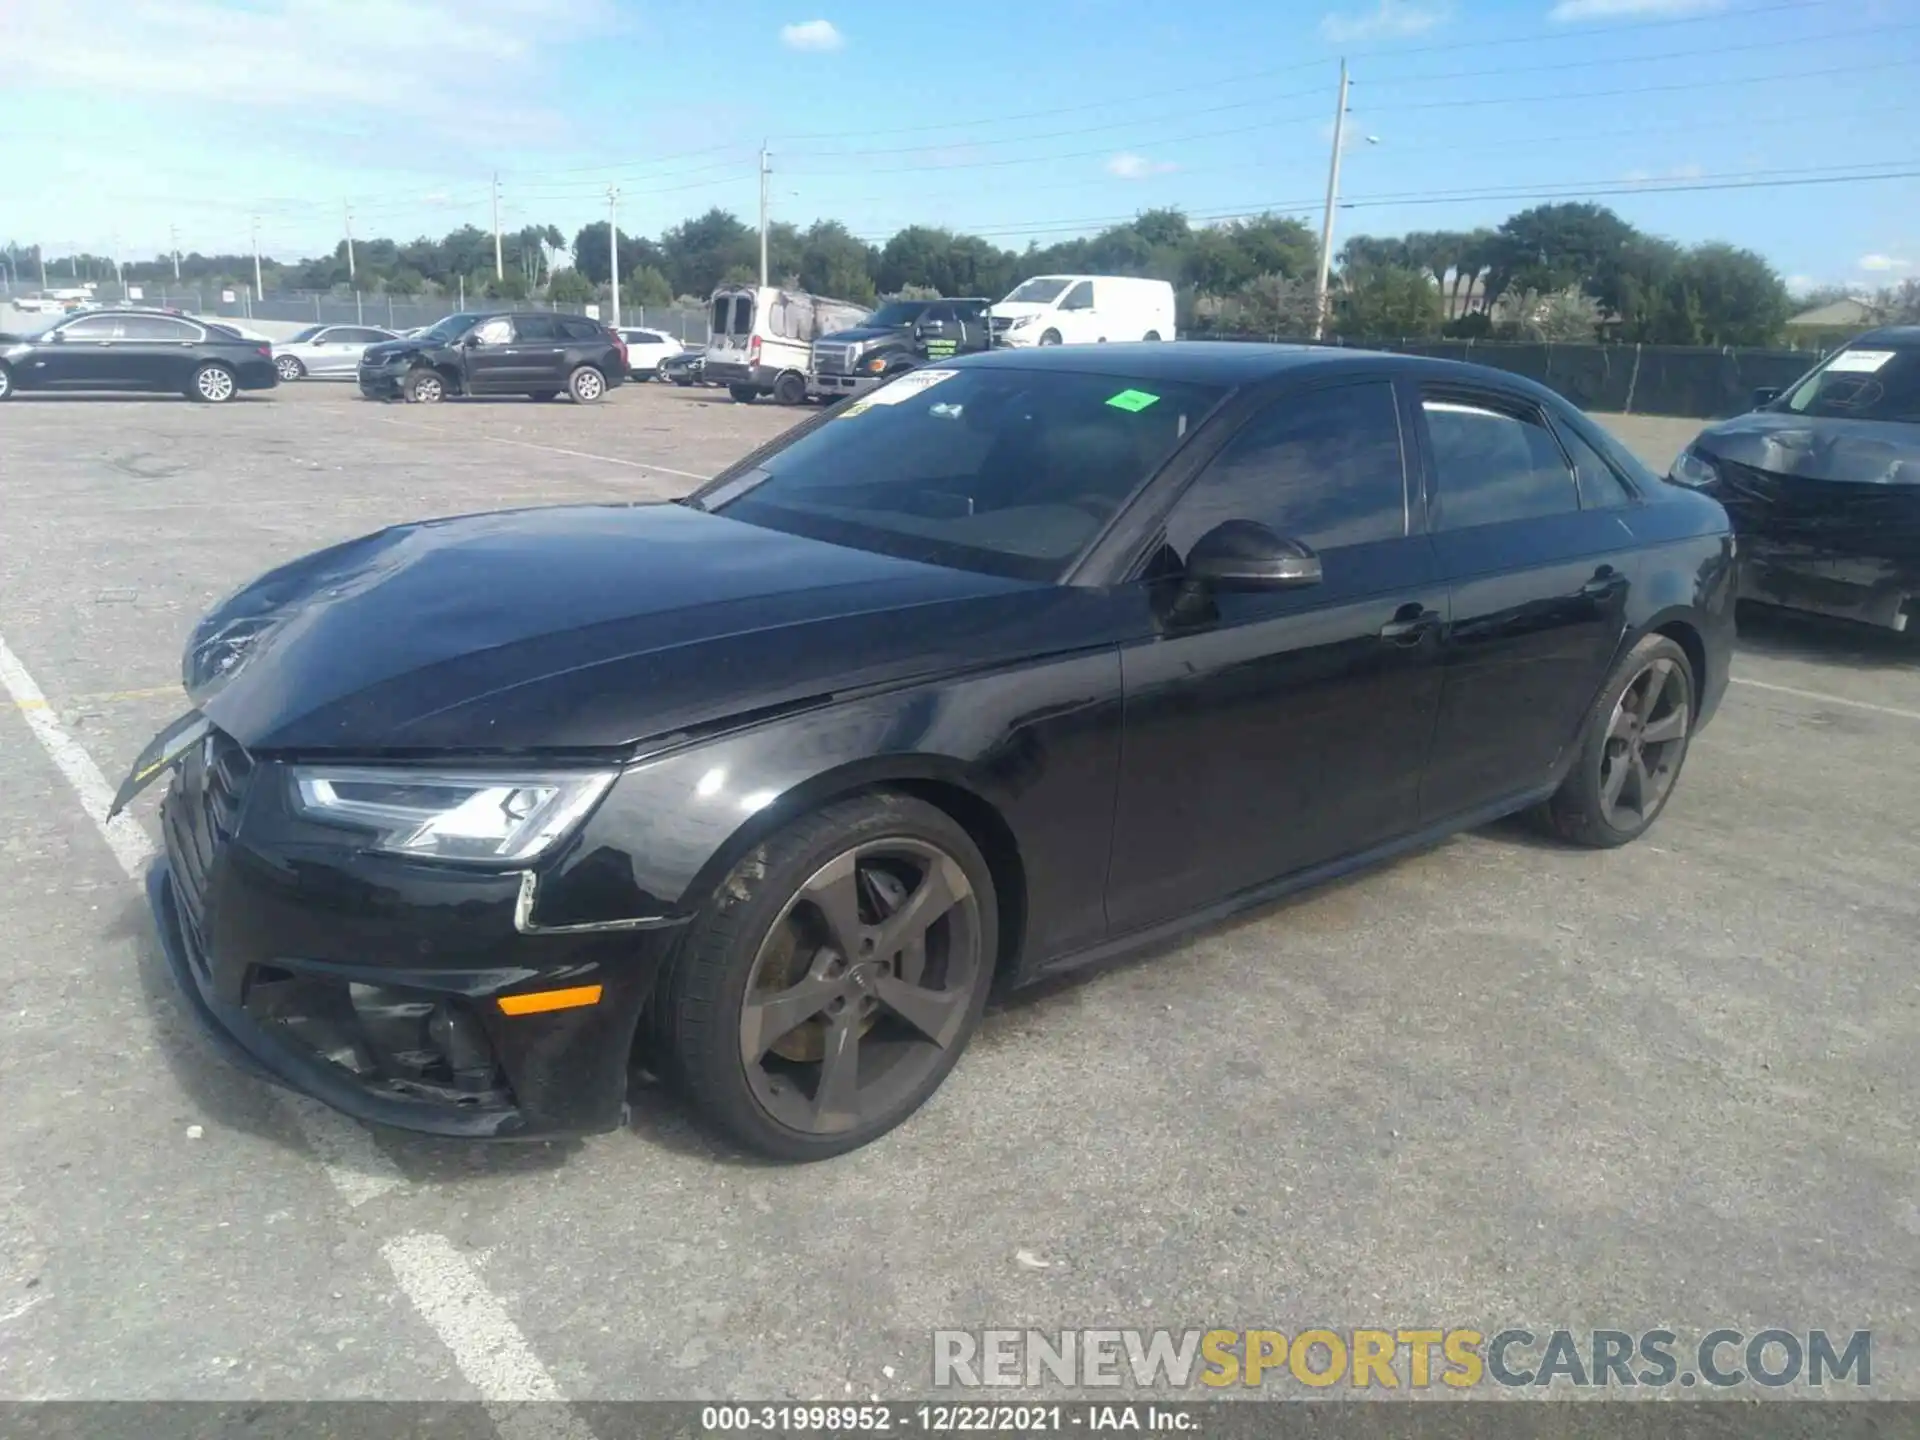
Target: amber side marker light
{"type": "Point", "coordinates": [541, 1001]}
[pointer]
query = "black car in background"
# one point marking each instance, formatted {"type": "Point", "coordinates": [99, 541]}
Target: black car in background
{"type": "Point", "coordinates": [1823, 484]}
{"type": "Point", "coordinates": [136, 350]}
{"type": "Point", "coordinates": [1050, 655]}
{"type": "Point", "coordinates": [689, 367]}
{"type": "Point", "coordinates": [898, 336]}
{"type": "Point", "coordinates": [535, 353]}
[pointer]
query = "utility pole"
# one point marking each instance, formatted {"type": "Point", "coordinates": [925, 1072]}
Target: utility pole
{"type": "Point", "coordinates": [763, 212]}
{"type": "Point", "coordinates": [349, 227]}
{"type": "Point", "coordinates": [613, 247]}
{"type": "Point", "coordinates": [173, 239]}
{"type": "Point", "coordinates": [256, 260]}
{"type": "Point", "coordinates": [41, 251]}
{"type": "Point", "coordinates": [1333, 200]}
{"type": "Point", "coordinates": [499, 266]}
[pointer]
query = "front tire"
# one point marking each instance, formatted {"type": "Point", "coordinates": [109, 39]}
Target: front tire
{"type": "Point", "coordinates": [290, 368]}
{"type": "Point", "coordinates": [790, 389]}
{"type": "Point", "coordinates": [6, 383]}
{"type": "Point", "coordinates": [1151, 336]}
{"type": "Point", "coordinates": [424, 387]}
{"type": "Point", "coordinates": [832, 981]}
{"type": "Point", "coordinates": [586, 385]}
{"type": "Point", "coordinates": [743, 394]}
{"type": "Point", "coordinates": [213, 383]}
{"type": "Point", "coordinates": [1052, 337]}
{"type": "Point", "coordinates": [1631, 748]}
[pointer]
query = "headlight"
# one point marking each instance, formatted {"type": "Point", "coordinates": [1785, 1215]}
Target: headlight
{"type": "Point", "coordinates": [1023, 322]}
{"type": "Point", "coordinates": [450, 816]}
{"type": "Point", "coordinates": [877, 364]}
{"type": "Point", "coordinates": [1693, 470]}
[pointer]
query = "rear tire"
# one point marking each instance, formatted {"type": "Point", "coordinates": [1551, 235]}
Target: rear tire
{"type": "Point", "coordinates": [764, 931]}
{"type": "Point", "coordinates": [743, 394]}
{"type": "Point", "coordinates": [212, 384]}
{"type": "Point", "coordinates": [1631, 747]}
{"type": "Point", "coordinates": [6, 383]}
{"type": "Point", "coordinates": [586, 385]}
{"type": "Point", "coordinates": [790, 389]}
{"type": "Point", "coordinates": [1151, 335]}
{"type": "Point", "coordinates": [424, 387]}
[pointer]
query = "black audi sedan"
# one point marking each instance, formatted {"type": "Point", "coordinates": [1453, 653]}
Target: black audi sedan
{"type": "Point", "coordinates": [1017, 663]}
{"type": "Point", "coordinates": [148, 350]}
{"type": "Point", "coordinates": [537, 354]}
{"type": "Point", "coordinates": [1823, 484]}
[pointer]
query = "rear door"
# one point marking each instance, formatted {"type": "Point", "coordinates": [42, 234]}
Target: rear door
{"type": "Point", "coordinates": [732, 322]}
{"type": "Point", "coordinates": [1539, 590]}
{"type": "Point", "coordinates": [157, 352]}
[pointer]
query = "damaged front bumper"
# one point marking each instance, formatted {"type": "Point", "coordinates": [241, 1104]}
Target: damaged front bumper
{"type": "Point", "coordinates": [396, 992]}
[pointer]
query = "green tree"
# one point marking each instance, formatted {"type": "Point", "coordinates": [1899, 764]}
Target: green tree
{"type": "Point", "coordinates": [510, 286]}
{"type": "Point", "coordinates": [1741, 299]}
{"type": "Point", "coordinates": [1552, 247]}
{"type": "Point", "coordinates": [1387, 302]}
{"type": "Point", "coordinates": [834, 262]}
{"type": "Point", "coordinates": [647, 286]}
{"type": "Point", "coordinates": [696, 254]}
{"type": "Point", "coordinates": [570, 287]}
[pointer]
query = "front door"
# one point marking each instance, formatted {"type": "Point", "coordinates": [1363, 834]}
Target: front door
{"type": "Point", "coordinates": [1280, 730]}
{"type": "Point", "coordinates": [1076, 319]}
{"type": "Point", "coordinates": [488, 358]}
{"type": "Point", "coordinates": [1539, 591]}
{"type": "Point", "coordinates": [79, 355]}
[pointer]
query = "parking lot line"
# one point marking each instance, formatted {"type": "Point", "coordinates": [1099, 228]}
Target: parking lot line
{"type": "Point", "coordinates": [550, 449]}
{"type": "Point", "coordinates": [1824, 699]}
{"type": "Point", "coordinates": [355, 1165]}
{"type": "Point", "coordinates": [487, 1346]}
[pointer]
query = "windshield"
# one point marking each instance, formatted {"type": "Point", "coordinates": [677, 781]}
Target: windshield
{"type": "Point", "coordinates": [1009, 471]}
{"type": "Point", "coordinates": [450, 328]}
{"type": "Point", "coordinates": [305, 335]}
{"type": "Point", "coordinates": [1038, 292]}
{"type": "Point", "coordinates": [1861, 382]}
{"type": "Point", "coordinates": [896, 314]}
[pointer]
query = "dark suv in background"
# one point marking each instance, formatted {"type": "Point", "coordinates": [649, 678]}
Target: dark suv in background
{"type": "Point", "coordinates": [534, 353]}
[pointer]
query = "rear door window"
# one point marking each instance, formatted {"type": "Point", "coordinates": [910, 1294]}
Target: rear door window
{"type": "Point", "coordinates": [92, 327]}
{"type": "Point", "coordinates": [158, 328]}
{"type": "Point", "coordinates": [535, 330]}
{"type": "Point", "coordinates": [1494, 460]}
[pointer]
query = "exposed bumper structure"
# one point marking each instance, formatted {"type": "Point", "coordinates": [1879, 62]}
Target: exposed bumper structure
{"type": "Point", "coordinates": [401, 994]}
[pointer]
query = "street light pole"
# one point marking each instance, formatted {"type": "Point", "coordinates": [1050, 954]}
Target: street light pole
{"type": "Point", "coordinates": [349, 229]}
{"type": "Point", "coordinates": [499, 265]}
{"type": "Point", "coordinates": [1333, 200]}
{"type": "Point", "coordinates": [763, 214]}
{"type": "Point", "coordinates": [613, 248]}
{"type": "Point", "coordinates": [257, 297]}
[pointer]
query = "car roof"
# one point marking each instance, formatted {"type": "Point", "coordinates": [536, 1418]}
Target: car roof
{"type": "Point", "coordinates": [1234, 363]}
{"type": "Point", "coordinates": [1892, 335]}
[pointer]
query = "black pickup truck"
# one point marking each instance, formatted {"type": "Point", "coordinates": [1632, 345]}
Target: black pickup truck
{"type": "Point", "coordinates": [898, 336]}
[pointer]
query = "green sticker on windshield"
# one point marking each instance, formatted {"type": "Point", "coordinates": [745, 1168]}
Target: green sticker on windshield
{"type": "Point", "coordinates": [1134, 400]}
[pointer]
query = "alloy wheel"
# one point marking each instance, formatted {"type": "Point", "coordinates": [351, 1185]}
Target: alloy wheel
{"type": "Point", "coordinates": [1646, 741]}
{"type": "Point", "coordinates": [214, 384]}
{"type": "Point", "coordinates": [425, 389]}
{"type": "Point", "coordinates": [288, 367]}
{"type": "Point", "coordinates": [861, 986]}
{"type": "Point", "coordinates": [587, 384]}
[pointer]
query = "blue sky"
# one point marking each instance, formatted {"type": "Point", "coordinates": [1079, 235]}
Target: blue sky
{"type": "Point", "coordinates": [1019, 120]}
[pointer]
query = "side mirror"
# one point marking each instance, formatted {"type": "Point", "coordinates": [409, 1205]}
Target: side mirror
{"type": "Point", "coordinates": [1765, 395]}
{"type": "Point", "coordinates": [1246, 555]}
{"type": "Point", "coordinates": [57, 336]}
{"type": "Point", "coordinates": [471, 342]}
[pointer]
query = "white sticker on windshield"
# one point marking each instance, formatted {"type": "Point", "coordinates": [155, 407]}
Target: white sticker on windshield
{"type": "Point", "coordinates": [1859, 361]}
{"type": "Point", "coordinates": [908, 386]}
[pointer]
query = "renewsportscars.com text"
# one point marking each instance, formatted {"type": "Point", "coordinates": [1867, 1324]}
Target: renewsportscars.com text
{"type": "Point", "coordinates": [1402, 1358]}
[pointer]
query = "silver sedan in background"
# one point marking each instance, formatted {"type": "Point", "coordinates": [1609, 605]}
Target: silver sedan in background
{"type": "Point", "coordinates": [326, 350]}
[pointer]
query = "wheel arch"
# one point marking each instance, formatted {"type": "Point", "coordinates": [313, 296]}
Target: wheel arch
{"type": "Point", "coordinates": [1681, 629]}
{"type": "Point", "coordinates": [936, 780]}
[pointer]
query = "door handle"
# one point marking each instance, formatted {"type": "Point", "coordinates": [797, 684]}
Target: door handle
{"type": "Point", "coordinates": [1410, 625]}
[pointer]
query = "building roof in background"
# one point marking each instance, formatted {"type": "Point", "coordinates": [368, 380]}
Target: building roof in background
{"type": "Point", "coordinates": [1839, 312]}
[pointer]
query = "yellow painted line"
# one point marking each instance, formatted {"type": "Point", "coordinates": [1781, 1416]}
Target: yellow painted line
{"type": "Point", "coordinates": [98, 697]}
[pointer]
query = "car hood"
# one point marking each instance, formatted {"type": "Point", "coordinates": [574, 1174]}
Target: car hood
{"type": "Point", "coordinates": [1017, 309]}
{"type": "Point", "coordinates": [392, 349]}
{"type": "Point", "coordinates": [1860, 452]}
{"type": "Point", "coordinates": [576, 628]}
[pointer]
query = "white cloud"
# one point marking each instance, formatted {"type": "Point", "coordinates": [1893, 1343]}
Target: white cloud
{"type": "Point", "coordinates": [812, 35]}
{"type": "Point", "coordinates": [1128, 166]}
{"type": "Point", "coordinates": [1577, 10]}
{"type": "Point", "coordinates": [1801, 284]}
{"type": "Point", "coordinates": [1689, 171]}
{"type": "Point", "coordinates": [1388, 20]}
{"type": "Point", "coordinates": [1884, 263]}
{"type": "Point", "coordinates": [308, 55]}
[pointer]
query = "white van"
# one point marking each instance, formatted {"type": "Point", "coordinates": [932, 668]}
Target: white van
{"type": "Point", "coordinates": [1084, 310]}
{"type": "Point", "coordinates": [763, 339]}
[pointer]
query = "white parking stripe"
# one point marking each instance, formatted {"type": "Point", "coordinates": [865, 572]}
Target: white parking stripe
{"type": "Point", "coordinates": [487, 1346]}
{"type": "Point", "coordinates": [550, 449]}
{"type": "Point", "coordinates": [1898, 714]}
{"type": "Point", "coordinates": [347, 1153]}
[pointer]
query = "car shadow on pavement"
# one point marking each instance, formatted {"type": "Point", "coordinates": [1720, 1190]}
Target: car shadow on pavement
{"type": "Point", "coordinates": [127, 397]}
{"type": "Point", "coordinates": [1820, 640]}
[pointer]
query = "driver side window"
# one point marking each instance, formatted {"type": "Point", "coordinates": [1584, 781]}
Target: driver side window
{"type": "Point", "coordinates": [497, 331]}
{"type": "Point", "coordinates": [1324, 468]}
{"type": "Point", "coordinates": [1080, 297]}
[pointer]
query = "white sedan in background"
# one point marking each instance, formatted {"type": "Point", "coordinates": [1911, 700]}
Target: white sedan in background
{"type": "Point", "coordinates": [326, 350]}
{"type": "Point", "coordinates": [646, 350]}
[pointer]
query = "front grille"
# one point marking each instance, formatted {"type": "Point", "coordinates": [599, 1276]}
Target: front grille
{"type": "Point", "coordinates": [1000, 323]}
{"type": "Point", "coordinates": [834, 359]}
{"type": "Point", "coordinates": [1831, 514]}
{"type": "Point", "coordinates": [202, 815]}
